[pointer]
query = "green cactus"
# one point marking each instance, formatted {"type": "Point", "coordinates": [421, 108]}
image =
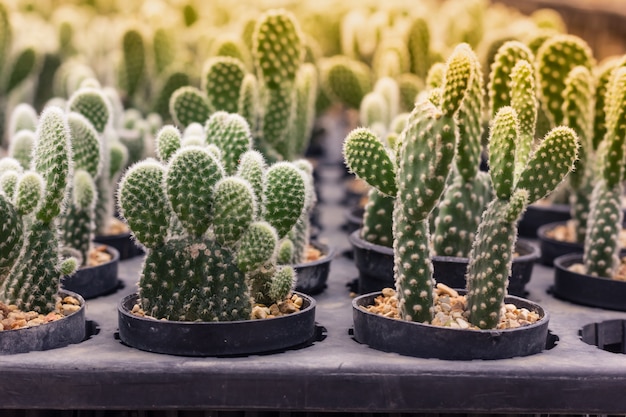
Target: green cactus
{"type": "Point", "coordinates": [22, 66]}
{"type": "Point", "coordinates": [416, 178]}
{"type": "Point", "coordinates": [221, 82]}
{"type": "Point", "coordinates": [410, 86]}
{"type": "Point", "coordinates": [33, 282]}
{"type": "Point", "coordinates": [378, 219]}
{"type": "Point", "coordinates": [93, 104]}
{"type": "Point", "coordinates": [469, 191]}
{"type": "Point", "coordinates": [233, 47]}
{"type": "Point", "coordinates": [345, 80]}
{"type": "Point", "coordinates": [605, 219]}
{"type": "Point", "coordinates": [164, 49]}
{"type": "Point", "coordinates": [133, 63]}
{"type": "Point", "coordinates": [556, 57]}
{"type": "Point", "coordinates": [578, 114]}
{"type": "Point", "coordinates": [211, 237]}
{"type": "Point", "coordinates": [77, 222]}
{"type": "Point", "coordinates": [492, 252]}
{"type": "Point", "coordinates": [188, 105]}
{"type": "Point", "coordinates": [248, 102]}
{"type": "Point", "coordinates": [306, 86]}
{"type": "Point", "coordinates": [168, 141]}
{"type": "Point", "coordinates": [418, 44]}
{"type": "Point", "coordinates": [23, 117]}
{"type": "Point", "coordinates": [499, 87]}
{"type": "Point", "coordinates": [21, 147]}
{"type": "Point", "coordinates": [171, 83]}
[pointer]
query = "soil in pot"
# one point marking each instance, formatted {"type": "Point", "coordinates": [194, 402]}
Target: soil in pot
{"type": "Point", "coordinates": [25, 331]}
{"type": "Point", "coordinates": [98, 277]}
{"type": "Point", "coordinates": [119, 237]}
{"type": "Point", "coordinates": [523, 329]}
{"type": "Point", "coordinates": [571, 283]}
{"type": "Point", "coordinates": [267, 333]}
{"type": "Point", "coordinates": [313, 272]}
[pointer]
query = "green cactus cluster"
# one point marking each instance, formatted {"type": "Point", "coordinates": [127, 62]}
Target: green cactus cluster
{"type": "Point", "coordinates": [211, 228]}
{"type": "Point", "coordinates": [32, 266]}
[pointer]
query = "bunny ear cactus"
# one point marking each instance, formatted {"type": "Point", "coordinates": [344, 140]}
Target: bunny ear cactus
{"type": "Point", "coordinates": [491, 255]}
{"type": "Point", "coordinates": [133, 62]}
{"type": "Point", "coordinates": [499, 88]}
{"type": "Point", "coordinates": [416, 177]}
{"type": "Point", "coordinates": [77, 222]}
{"type": "Point", "coordinates": [211, 238]}
{"type": "Point", "coordinates": [231, 134]}
{"type": "Point", "coordinates": [605, 219]}
{"type": "Point", "coordinates": [345, 80]}
{"type": "Point", "coordinates": [33, 282]}
{"type": "Point", "coordinates": [221, 82]}
{"type": "Point", "coordinates": [306, 86]}
{"type": "Point", "coordinates": [188, 105]}
{"type": "Point", "coordinates": [578, 113]}
{"type": "Point", "coordinates": [555, 59]}
{"type": "Point", "coordinates": [469, 191]}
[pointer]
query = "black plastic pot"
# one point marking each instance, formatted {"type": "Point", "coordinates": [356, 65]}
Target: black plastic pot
{"type": "Point", "coordinates": [375, 265]}
{"type": "Point", "coordinates": [426, 341]}
{"type": "Point", "coordinates": [536, 215]}
{"type": "Point", "coordinates": [59, 333]}
{"type": "Point", "coordinates": [216, 338]}
{"type": "Point", "coordinates": [553, 248]}
{"type": "Point", "coordinates": [94, 281]}
{"type": "Point", "coordinates": [586, 289]}
{"type": "Point", "coordinates": [374, 262]}
{"type": "Point", "coordinates": [312, 276]}
{"type": "Point", "coordinates": [123, 243]}
{"type": "Point", "coordinates": [451, 270]}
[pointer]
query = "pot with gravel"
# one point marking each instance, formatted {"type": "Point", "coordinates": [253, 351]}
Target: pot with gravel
{"type": "Point", "coordinates": [37, 315]}
{"type": "Point", "coordinates": [211, 215]}
{"type": "Point", "coordinates": [416, 179]}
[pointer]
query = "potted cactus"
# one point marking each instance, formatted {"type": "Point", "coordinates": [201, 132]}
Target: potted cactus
{"type": "Point", "coordinates": [596, 277]}
{"type": "Point", "coordinates": [210, 215]}
{"type": "Point", "coordinates": [456, 217]}
{"type": "Point", "coordinates": [31, 264]}
{"type": "Point", "coordinates": [416, 178]}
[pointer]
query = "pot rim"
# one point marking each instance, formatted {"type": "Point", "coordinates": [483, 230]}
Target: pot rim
{"type": "Point", "coordinates": [121, 308]}
{"type": "Point", "coordinates": [545, 316]}
{"type": "Point", "coordinates": [328, 252]}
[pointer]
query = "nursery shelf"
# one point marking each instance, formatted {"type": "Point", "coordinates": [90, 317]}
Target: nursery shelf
{"type": "Point", "coordinates": [333, 374]}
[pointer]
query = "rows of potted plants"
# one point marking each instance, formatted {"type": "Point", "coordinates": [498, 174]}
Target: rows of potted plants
{"type": "Point", "coordinates": [213, 187]}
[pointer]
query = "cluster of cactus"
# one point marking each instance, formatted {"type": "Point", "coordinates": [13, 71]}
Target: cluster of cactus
{"type": "Point", "coordinates": [277, 101]}
{"type": "Point", "coordinates": [602, 243]}
{"type": "Point", "coordinates": [418, 172]}
{"type": "Point", "coordinates": [211, 214]}
{"type": "Point", "coordinates": [31, 201]}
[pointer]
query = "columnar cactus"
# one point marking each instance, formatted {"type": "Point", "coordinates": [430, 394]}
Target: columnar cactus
{"type": "Point", "coordinates": [605, 219]}
{"type": "Point", "coordinates": [519, 177]}
{"type": "Point", "coordinates": [211, 236]}
{"type": "Point", "coordinates": [416, 178]}
{"type": "Point", "coordinates": [33, 281]}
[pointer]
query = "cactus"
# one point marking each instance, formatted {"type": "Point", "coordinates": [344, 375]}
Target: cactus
{"type": "Point", "coordinates": [418, 44]}
{"type": "Point", "coordinates": [519, 177]}
{"type": "Point", "coordinates": [164, 48]}
{"type": "Point", "coordinates": [21, 147]}
{"type": "Point", "coordinates": [77, 222]}
{"type": "Point", "coordinates": [133, 68]}
{"type": "Point", "coordinates": [345, 80]}
{"type": "Point", "coordinates": [23, 117]}
{"type": "Point", "coordinates": [556, 57]}
{"type": "Point", "coordinates": [33, 281]}
{"type": "Point", "coordinates": [605, 219]}
{"type": "Point", "coordinates": [172, 82]}
{"type": "Point", "coordinates": [188, 105]}
{"type": "Point", "coordinates": [469, 191]}
{"type": "Point", "coordinates": [415, 178]}
{"type": "Point", "coordinates": [211, 237]}
{"type": "Point", "coordinates": [221, 82]}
